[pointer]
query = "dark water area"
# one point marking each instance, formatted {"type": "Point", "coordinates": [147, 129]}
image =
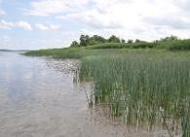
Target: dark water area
{"type": "Point", "coordinates": [40, 98]}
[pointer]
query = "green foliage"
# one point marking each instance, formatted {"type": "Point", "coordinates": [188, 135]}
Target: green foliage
{"type": "Point", "coordinates": [58, 53]}
{"type": "Point", "coordinates": [140, 44]}
{"type": "Point", "coordinates": [144, 88]}
{"type": "Point", "coordinates": [122, 45]}
{"type": "Point", "coordinates": [185, 122]}
{"type": "Point", "coordinates": [109, 46]}
{"type": "Point", "coordinates": [75, 53]}
{"type": "Point", "coordinates": [96, 40]}
{"type": "Point", "coordinates": [170, 38]}
{"type": "Point", "coordinates": [123, 41]}
{"type": "Point", "coordinates": [74, 44]}
{"type": "Point", "coordinates": [114, 39]}
{"type": "Point", "coordinates": [180, 45]}
{"type": "Point", "coordinates": [84, 40]}
{"type": "Point", "coordinates": [130, 41]}
{"type": "Point", "coordinates": [137, 41]}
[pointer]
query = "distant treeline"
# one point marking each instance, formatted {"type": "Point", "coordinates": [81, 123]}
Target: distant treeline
{"type": "Point", "coordinates": [86, 40]}
{"type": "Point", "coordinates": [99, 42]}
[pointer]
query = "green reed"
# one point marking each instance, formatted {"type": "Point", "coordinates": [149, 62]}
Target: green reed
{"type": "Point", "coordinates": [145, 90]}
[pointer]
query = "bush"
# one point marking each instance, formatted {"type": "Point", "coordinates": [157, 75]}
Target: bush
{"type": "Point", "coordinates": [143, 45]}
{"type": "Point", "coordinates": [180, 45]}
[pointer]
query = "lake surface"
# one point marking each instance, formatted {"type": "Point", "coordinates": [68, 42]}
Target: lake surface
{"type": "Point", "coordinates": [39, 98]}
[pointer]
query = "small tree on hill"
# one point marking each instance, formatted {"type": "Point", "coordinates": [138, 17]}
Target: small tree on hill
{"type": "Point", "coordinates": [122, 41]}
{"type": "Point", "coordinates": [130, 41]}
{"type": "Point", "coordinates": [114, 39]}
{"type": "Point", "coordinates": [75, 44]}
{"type": "Point", "coordinates": [84, 40]}
{"type": "Point", "coordinates": [137, 41]}
{"type": "Point", "coordinates": [96, 40]}
{"type": "Point", "coordinates": [99, 39]}
{"type": "Point", "coordinates": [170, 38]}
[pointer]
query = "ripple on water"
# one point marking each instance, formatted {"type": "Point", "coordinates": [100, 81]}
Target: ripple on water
{"type": "Point", "coordinates": [39, 99]}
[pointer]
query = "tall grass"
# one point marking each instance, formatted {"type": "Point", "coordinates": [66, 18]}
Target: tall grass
{"type": "Point", "coordinates": [145, 90]}
{"type": "Point", "coordinates": [123, 45]}
{"type": "Point", "coordinates": [76, 53]}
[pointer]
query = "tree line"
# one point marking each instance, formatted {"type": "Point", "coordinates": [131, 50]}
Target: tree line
{"type": "Point", "coordinates": [86, 40]}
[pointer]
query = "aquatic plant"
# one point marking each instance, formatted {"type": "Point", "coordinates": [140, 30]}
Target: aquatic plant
{"type": "Point", "coordinates": [145, 90]}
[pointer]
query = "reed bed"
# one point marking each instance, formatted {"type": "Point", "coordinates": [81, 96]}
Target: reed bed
{"type": "Point", "coordinates": [145, 90]}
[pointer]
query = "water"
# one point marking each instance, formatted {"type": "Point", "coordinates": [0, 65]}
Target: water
{"type": "Point", "coordinates": [38, 98]}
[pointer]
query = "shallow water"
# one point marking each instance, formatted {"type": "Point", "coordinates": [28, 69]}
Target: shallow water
{"type": "Point", "coordinates": [39, 97]}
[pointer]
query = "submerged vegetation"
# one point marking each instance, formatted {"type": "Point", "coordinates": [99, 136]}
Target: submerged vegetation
{"type": "Point", "coordinates": [145, 84]}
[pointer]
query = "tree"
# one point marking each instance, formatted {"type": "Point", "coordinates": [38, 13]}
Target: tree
{"type": "Point", "coordinates": [75, 44]}
{"type": "Point", "coordinates": [137, 41]}
{"type": "Point", "coordinates": [130, 41]}
{"type": "Point", "coordinates": [170, 38]}
{"type": "Point", "coordinates": [84, 40]}
{"type": "Point", "coordinates": [114, 39]}
{"type": "Point", "coordinates": [122, 41]}
{"type": "Point", "coordinates": [99, 39]}
{"type": "Point", "coordinates": [173, 37]}
{"type": "Point", "coordinates": [96, 40]}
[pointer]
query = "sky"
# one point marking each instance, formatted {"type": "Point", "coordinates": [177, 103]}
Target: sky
{"type": "Point", "coordinates": [39, 24]}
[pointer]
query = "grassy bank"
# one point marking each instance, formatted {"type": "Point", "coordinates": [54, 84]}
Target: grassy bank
{"type": "Point", "coordinates": [113, 48]}
{"type": "Point", "coordinates": [144, 87]}
{"type": "Point", "coordinates": [76, 53]}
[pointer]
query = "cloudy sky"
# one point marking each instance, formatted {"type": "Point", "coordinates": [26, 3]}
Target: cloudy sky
{"type": "Point", "coordinates": [35, 24]}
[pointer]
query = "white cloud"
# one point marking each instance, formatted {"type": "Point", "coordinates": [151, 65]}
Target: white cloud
{"type": "Point", "coordinates": [110, 14]}
{"type": "Point", "coordinates": [41, 27]}
{"type": "Point", "coordinates": [94, 19]}
{"type": "Point", "coordinates": [10, 25]}
{"type": "Point", "coordinates": [46, 7]}
{"type": "Point", "coordinates": [23, 25]}
{"type": "Point", "coordinates": [6, 25]}
{"type": "Point", "coordinates": [52, 7]}
{"type": "Point", "coordinates": [133, 18]}
{"type": "Point", "coordinates": [44, 27]}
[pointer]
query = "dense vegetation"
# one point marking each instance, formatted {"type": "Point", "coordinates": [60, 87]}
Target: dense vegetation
{"type": "Point", "coordinates": [144, 89]}
{"type": "Point", "coordinates": [86, 40]}
{"type": "Point", "coordinates": [145, 84]}
{"type": "Point", "coordinates": [98, 42]}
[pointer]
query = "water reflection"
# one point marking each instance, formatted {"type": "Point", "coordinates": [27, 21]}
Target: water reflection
{"type": "Point", "coordinates": [38, 98]}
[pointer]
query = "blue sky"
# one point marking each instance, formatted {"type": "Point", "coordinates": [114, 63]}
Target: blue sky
{"type": "Point", "coordinates": [36, 24]}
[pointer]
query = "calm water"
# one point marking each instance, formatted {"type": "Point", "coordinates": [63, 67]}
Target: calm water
{"type": "Point", "coordinates": [38, 98]}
